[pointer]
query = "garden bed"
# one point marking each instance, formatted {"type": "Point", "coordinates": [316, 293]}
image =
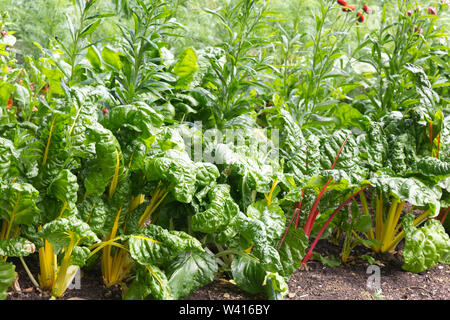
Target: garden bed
{"type": "Point", "coordinates": [317, 282]}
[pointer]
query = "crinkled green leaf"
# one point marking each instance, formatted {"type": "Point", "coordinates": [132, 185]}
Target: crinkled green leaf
{"type": "Point", "coordinates": [16, 247]}
{"type": "Point", "coordinates": [59, 232]}
{"type": "Point", "coordinates": [207, 173]}
{"type": "Point", "coordinates": [103, 169]}
{"type": "Point", "coordinates": [411, 189]}
{"type": "Point", "coordinates": [8, 158]}
{"type": "Point", "coordinates": [176, 171]}
{"type": "Point", "coordinates": [155, 245]}
{"type": "Point", "coordinates": [220, 210]}
{"type": "Point", "coordinates": [293, 250]}
{"type": "Point", "coordinates": [92, 211]}
{"type": "Point", "coordinates": [424, 246]}
{"type": "Point", "coordinates": [18, 202]}
{"type": "Point", "coordinates": [140, 118]}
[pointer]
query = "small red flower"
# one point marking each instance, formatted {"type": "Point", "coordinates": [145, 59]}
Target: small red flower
{"type": "Point", "coordinates": [3, 32]}
{"type": "Point", "coordinates": [360, 17]}
{"type": "Point", "coordinates": [34, 109]}
{"type": "Point", "coordinates": [348, 8]}
{"type": "Point", "coordinates": [366, 9]}
{"type": "Point", "coordinates": [105, 111]}
{"type": "Point", "coordinates": [45, 89]}
{"type": "Point", "coordinates": [409, 13]}
{"type": "Point", "coordinates": [418, 29]}
{"type": "Point", "coordinates": [10, 103]}
{"type": "Point", "coordinates": [342, 2]}
{"type": "Point", "coordinates": [432, 11]}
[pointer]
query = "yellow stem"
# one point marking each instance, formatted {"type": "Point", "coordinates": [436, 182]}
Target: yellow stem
{"type": "Point", "coordinates": [156, 200]}
{"type": "Point", "coordinates": [389, 227]}
{"type": "Point", "coordinates": [378, 220]}
{"type": "Point", "coordinates": [44, 159]}
{"type": "Point", "coordinates": [269, 198]}
{"type": "Point", "coordinates": [64, 207]}
{"type": "Point", "coordinates": [107, 243]}
{"type": "Point", "coordinates": [401, 235]}
{"type": "Point", "coordinates": [62, 277]}
{"type": "Point", "coordinates": [115, 179]}
{"type": "Point", "coordinates": [392, 230]}
{"type": "Point", "coordinates": [106, 257]}
{"type": "Point", "coordinates": [74, 121]}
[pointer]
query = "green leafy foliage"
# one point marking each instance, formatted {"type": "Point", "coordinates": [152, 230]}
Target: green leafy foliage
{"type": "Point", "coordinates": [424, 246]}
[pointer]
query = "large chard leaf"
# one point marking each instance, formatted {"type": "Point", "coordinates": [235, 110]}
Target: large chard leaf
{"type": "Point", "coordinates": [301, 154]}
{"type": "Point", "coordinates": [64, 187]}
{"type": "Point", "coordinates": [176, 171]}
{"type": "Point", "coordinates": [221, 209]}
{"type": "Point", "coordinates": [272, 216]}
{"type": "Point", "coordinates": [7, 276]}
{"type": "Point", "coordinates": [154, 245]}
{"type": "Point", "coordinates": [207, 173]}
{"type": "Point", "coordinates": [139, 118]}
{"type": "Point", "coordinates": [190, 271]}
{"type": "Point", "coordinates": [108, 167]}
{"type": "Point", "coordinates": [49, 150]}
{"type": "Point", "coordinates": [92, 211]}
{"type": "Point", "coordinates": [60, 232]}
{"type": "Point", "coordinates": [18, 203]}
{"type": "Point", "coordinates": [411, 190]}
{"type": "Point", "coordinates": [424, 246]}
{"type": "Point", "coordinates": [292, 250]}
{"type": "Point", "coordinates": [250, 276]}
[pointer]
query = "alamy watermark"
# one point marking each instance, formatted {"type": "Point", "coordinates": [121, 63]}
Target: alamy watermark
{"type": "Point", "coordinates": [214, 145]}
{"type": "Point", "coordinates": [374, 280]}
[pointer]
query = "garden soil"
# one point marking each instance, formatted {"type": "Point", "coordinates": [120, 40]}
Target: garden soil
{"type": "Point", "coordinates": [316, 281]}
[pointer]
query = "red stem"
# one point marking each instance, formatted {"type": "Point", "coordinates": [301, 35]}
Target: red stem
{"type": "Point", "coordinates": [309, 254]}
{"type": "Point", "coordinates": [313, 214]}
{"type": "Point", "coordinates": [430, 133]}
{"type": "Point", "coordinates": [309, 221]}
{"type": "Point", "coordinates": [296, 213]}
{"type": "Point", "coordinates": [299, 208]}
{"type": "Point", "coordinates": [287, 228]}
{"type": "Point", "coordinates": [443, 215]}
{"type": "Point", "coordinates": [340, 150]}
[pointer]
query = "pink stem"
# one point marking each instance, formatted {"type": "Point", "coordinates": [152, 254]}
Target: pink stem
{"type": "Point", "coordinates": [309, 254]}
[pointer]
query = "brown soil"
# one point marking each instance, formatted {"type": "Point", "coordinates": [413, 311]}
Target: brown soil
{"type": "Point", "coordinates": [316, 282]}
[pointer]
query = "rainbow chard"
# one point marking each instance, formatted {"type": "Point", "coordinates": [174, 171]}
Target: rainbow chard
{"type": "Point", "coordinates": [406, 173]}
{"type": "Point", "coordinates": [343, 171]}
